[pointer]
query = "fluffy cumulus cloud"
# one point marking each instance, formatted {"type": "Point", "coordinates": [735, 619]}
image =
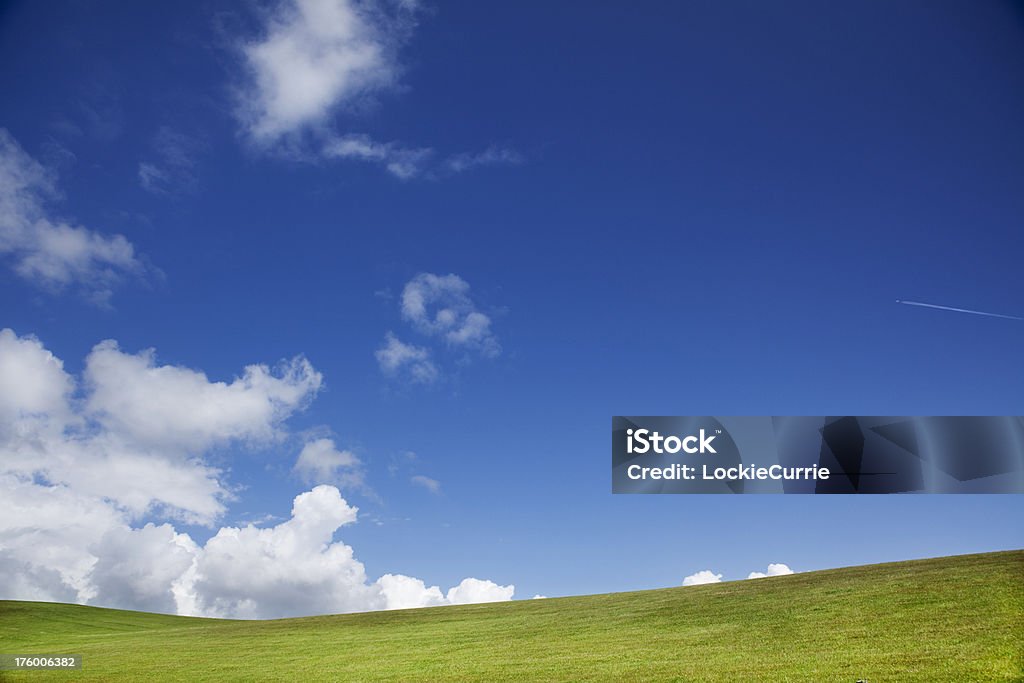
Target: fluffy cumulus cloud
{"type": "Point", "coordinates": [773, 570]}
{"type": "Point", "coordinates": [47, 251]}
{"type": "Point", "coordinates": [407, 592]}
{"type": "Point", "coordinates": [702, 577]}
{"type": "Point", "coordinates": [92, 446]}
{"type": "Point", "coordinates": [95, 472]}
{"type": "Point", "coordinates": [315, 59]}
{"type": "Point", "coordinates": [291, 569]}
{"type": "Point", "coordinates": [46, 532]}
{"type": "Point", "coordinates": [82, 460]}
{"type": "Point", "coordinates": [33, 384]}
{"type": "Point", "coordinates": [471, 591]}
{"type": "Point", "coordinates": [440, 306]}
{"type": "Point", "coordinates": [141, 568]}
{"type": "Point", "coordinates": [296, 568]}
{"type": "Point", "coordinates": [397, 358]}
{"type": "Point", "coordinates": [173, 407]}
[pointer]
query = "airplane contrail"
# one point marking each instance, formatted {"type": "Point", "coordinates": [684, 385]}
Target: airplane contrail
{"type": "Point", "coordinates": [958, 310]}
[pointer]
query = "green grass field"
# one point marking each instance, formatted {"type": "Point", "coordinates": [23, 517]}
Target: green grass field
{"type": "Point", "coordinates": [947, 619]}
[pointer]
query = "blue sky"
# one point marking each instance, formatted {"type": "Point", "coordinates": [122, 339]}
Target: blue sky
{"type": "Point", "coordinates": [664, 208]}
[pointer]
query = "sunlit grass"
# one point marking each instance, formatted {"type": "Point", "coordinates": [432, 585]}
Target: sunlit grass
{"type": "Point", "coordinates": [947, 619]}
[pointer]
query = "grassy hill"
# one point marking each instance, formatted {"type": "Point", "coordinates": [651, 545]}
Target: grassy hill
{"type": "Point", "coordinates": [947, 619]}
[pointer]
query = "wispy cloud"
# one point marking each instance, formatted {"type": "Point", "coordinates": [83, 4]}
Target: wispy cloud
{"type": "Point", "coordinates": [440, 306]}
{"type": "Point", "coordinates": [493, 155]}
{"type": "Point", "coordinates": [48, 251]}
{"type": "Point", "coordinates": [172, 170]}
{"type": "Point", "coordinates": [397, 358]}
{"type": "Point", "coordinates": [401, 162]}
{"type": "Point", "coordinates": [958, 310]}
{"type": "Point", "coordinates": [322, 462]}
{"type": "Point", "coordinates": [432, 485]}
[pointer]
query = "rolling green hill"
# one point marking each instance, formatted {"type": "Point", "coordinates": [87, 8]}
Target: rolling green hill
{"type": "Point", "coordinates": [947, 619]}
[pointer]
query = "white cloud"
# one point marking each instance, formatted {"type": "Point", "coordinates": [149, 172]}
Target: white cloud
{"type": "Point", "coordinates": [773, 570]}
{"type": "Point", "coordinates": [316, 57]}
{"type": "Point", "coordinates": [291, 569]}
{"type": "Point", "coordinates": [432, 485]}
{"type": "Point", "coordinates": [320, 462]}
{"type": "Point", "coordinates": [405, 162]}
{"type": "Point", "coordinates": [48, 433]}
{"type": "Point", "coordinates": [702, 577]}
{"type": "Point", "coordinates": [401, 162]}
{"type": "Point", "coordinates": [296, 568]}
{"type": "Point", "coordinates": [407, 592]}
{"type": "Point", "coordinates": [138, 568]}
{"type": "Point", "coordinates": [493, 155]}
{"type": "Point", "coordinates": [396, 358]}
{"type": "Point", "coordinates": [82, 465]}
{"type": "Point", "coordinates": [539, 597]}
{"type": "Point", "coordinates": [58, 546]}
{"type": "Point", "coordinates": [472, 590]}
{"type": "Point", "coordinates": [440, 305]}
{"type": "Point", "coordinates": [176, 407]}
{"type": "Point", "coordinates": [33, 384]}
{"type": "Point", "coordinates": [47, 251]}
{"type": "Point", "coordinates": [26, 581]}
{"type": "Point", "coordinates": [45, 535]}
{"type": "Point", "coordinates": [137, 432]}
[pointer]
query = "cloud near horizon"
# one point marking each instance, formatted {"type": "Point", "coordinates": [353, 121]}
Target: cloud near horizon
{"type": "Point", "coordinates": [773, 570]}
{"type": "Point", "coordinates": [702, 577]}
{"type": "Point", "coordinates": [94, 473]}
{"type": "Point", "coordinates": [707, 576]}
